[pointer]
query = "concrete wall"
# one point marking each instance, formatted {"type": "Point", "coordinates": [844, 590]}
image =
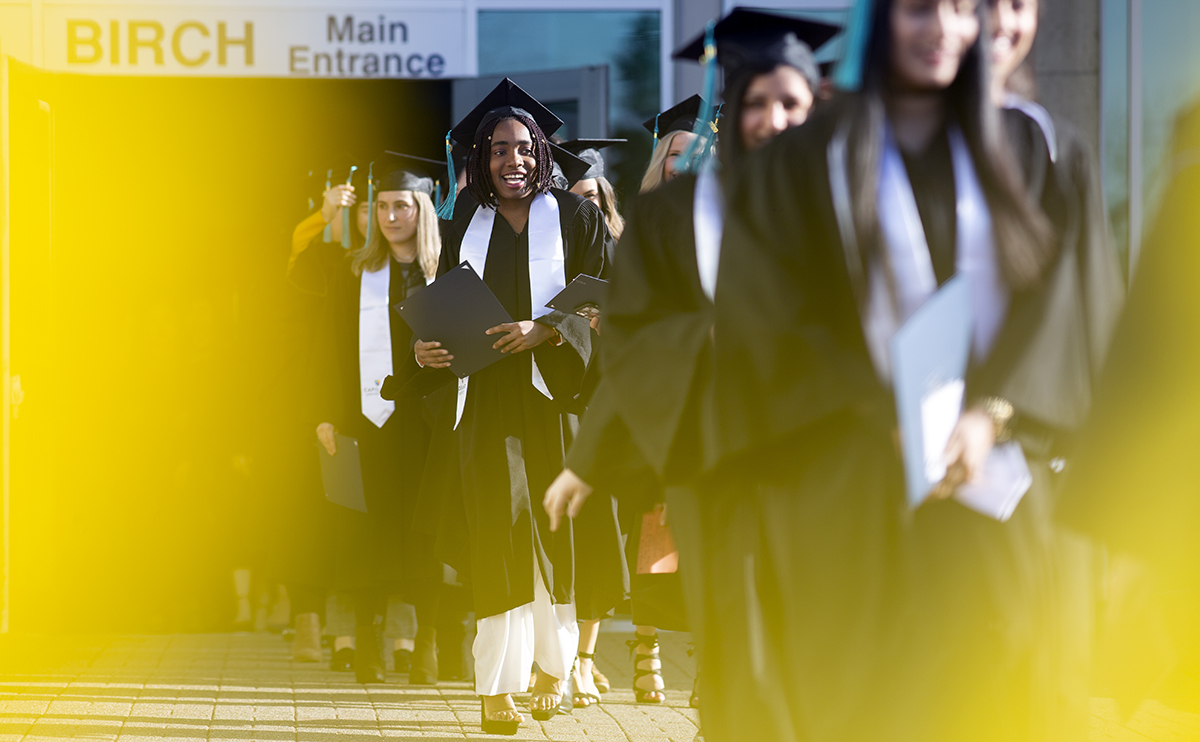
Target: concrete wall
{"type": "Point", "coordinates": [690, 17]}
{"type": "Point", "coordinates": [1066, 59]}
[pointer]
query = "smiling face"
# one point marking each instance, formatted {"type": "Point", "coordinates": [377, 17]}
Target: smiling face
{"type": "Point", "coordinates": [396, 212]}
{"type": "Point", "coordinates": [1014, 24]}
{"type": "Point", "coordinates": [511, 161]}
{"type": "Point", "coordinates": [589, 189]}
{"type": "Point", "coordinates": [678, 145]}
{"type": "Point", "coordinates": [929, 39]}
{"type": "Point", "coordinates": [774, 101]}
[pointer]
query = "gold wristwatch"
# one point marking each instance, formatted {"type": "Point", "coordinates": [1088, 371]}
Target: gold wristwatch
{"type": "Point", "coordinates": [1001, 411]}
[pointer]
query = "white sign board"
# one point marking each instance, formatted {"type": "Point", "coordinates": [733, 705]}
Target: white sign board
{"type": "Point", "coordinates": [335, 41]}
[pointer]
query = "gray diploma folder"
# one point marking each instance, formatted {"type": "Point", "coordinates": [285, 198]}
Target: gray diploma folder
{"type": "Point", "coordinates": [342, 474]}
{"type": "Point", "coordinates": [930, 353]}
{"type": "Point", "coordinates": [457, 310]}
{"type": "Point", "coordinates": [581, 295]}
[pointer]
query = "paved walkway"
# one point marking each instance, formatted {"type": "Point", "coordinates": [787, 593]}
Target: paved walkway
{"type": "Point", "coordinates": [215, 687]}
{"type": "Point", "coordinates": [245, 687]}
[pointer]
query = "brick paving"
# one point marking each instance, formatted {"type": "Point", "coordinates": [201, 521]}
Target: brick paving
{"type": "Point", "coordinates": [237, 687]}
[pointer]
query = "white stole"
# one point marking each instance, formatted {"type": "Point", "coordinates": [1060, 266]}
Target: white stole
{"type": "Point", "coordinates": [1040, 116]}
{"type": "Point", "coordinates": [904, 279]}
{"type": "Point", "coordinates": [375, 343]}
{"type": "Point", "coordinates": [708, 224]}
{"type": "Point", "coordinates": [547, 268]}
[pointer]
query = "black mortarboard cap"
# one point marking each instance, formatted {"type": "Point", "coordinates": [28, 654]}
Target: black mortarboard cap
{"type": "Point", "coordinates": [754, 37]}
{"type": "Point", "coordinates": [588, 150]}
{"type": "Point", "coordinates": [571, 167]}
{"type": "Point", "coordinates": [679, 117]}
{"type": "Point", "coordinates": [505, 99]}
{"type": "Point", "coordinates": [399, 172]}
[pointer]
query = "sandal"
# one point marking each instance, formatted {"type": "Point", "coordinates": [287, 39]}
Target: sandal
{"type": "Point", "coordinates": [642, 695]}
{"type": "Point", "coordinates": [600, 680]}
{"type": "Point", "coordinates": [581, 699]}
{"type": "Point", "coordinates": [549, 713]}
{"type": "Point", "coordinates": [506, 727]}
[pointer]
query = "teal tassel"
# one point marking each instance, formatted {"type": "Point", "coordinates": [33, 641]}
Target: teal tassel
{"type": "Point", "coordinates": [371, 201]}
{"type": "Point", "coordinates": [328, 227]}
{"type": "Point", "coordinates": [446, 209]}
{"type": "Point", "coordinates": [437, 194]}
{"type": "Point", "coordinates": [849, 73]}
{"type": "Point", "coordinates": [706, 123]}
{"type": "Point", "coordinates": [346, 214]}
{"type": "Point", "coordinates": [656, 128]}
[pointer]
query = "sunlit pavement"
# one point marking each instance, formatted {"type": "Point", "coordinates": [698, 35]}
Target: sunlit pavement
{"type": "Point", "coordinates": [246, 687]}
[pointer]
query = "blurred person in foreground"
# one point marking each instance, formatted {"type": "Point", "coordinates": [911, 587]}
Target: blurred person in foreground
{"type": "Point", "coordinates": [864, 619]}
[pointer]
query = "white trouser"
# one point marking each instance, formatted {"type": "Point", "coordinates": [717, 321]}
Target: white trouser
{"type": "Point", "coordinates": [507, 645]}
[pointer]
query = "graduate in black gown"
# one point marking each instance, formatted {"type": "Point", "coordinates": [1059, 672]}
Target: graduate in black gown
{"type": "Point", "coordinates": [660, 303]}
{"type": "Point", "coordinates": [371, 342]}
{"type": "Point", "coordinates": [528, 240]}
{"type": "Point", "coordinates": [862, 619]}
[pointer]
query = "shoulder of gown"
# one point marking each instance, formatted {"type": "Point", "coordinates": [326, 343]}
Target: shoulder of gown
{"type": "Point", "coordinates": [1056, 337]}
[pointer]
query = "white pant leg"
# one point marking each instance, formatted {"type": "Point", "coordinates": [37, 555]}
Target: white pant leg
{"type": "Point", "coordinates": [555, 633]}
{"type": "Point", "coordinates": [504, 652]}
{"type": "Point", "coordinates": [507, 644]}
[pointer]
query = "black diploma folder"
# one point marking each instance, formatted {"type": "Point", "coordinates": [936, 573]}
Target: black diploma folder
{"type": "Point", "coordinates": [583, 296]}
{"type": "Point", "coordinates": [457, 310]}
{"type": "Point", "coordinates": [342, 474]}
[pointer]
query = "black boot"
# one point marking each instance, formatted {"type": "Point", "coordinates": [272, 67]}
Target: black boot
{"type": "Point", "coordinates": [368, 655]}
{"type": "Point", "coordinates": [370, 614]}
{"type": "Point", "coordinates": [452, 632]}
{"type": "Point", "coordinates": [424, 670]}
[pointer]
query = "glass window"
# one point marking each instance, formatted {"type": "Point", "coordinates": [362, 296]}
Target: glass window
{"type": "Point", "coordinates": [1167, 82]}
{"type": "Point", "coordinates": [514, 41]}
{"type": "Point", "coordinates": [1114, 82]}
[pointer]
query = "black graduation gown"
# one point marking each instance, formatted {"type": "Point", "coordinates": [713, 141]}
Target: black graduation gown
{"type": "Point", "coordinates": [373, 550]}
{"type": "Point", "coordinates": [869, 622]}
{"type": "Point", "coordinates": [642, 431]}
{"type": "Point", "coordinates": [512, 439]}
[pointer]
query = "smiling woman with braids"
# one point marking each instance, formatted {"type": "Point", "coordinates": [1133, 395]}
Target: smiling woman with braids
{"type": "Point", "coordinates": [527, 241]}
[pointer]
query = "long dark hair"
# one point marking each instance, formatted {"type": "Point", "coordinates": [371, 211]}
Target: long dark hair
{"type": "Point", "coordinates": [479, 170]}
{"type": "Point", "coordinates": [1024, 235]}
{"type": "Point", "coordinates": [733, 149]}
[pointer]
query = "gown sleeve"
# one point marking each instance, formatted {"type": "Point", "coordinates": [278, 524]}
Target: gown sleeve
{"type": "Point", "coordinates": [1056, 338]}
{"type": "Point", "coordinates": [656, 310]}
{"type": "Point", "coordinates": [304, 233]}
{"type": "Point", "coordinates": [418, 381]}
{"type": "Point", "coordinates": [563, 366]}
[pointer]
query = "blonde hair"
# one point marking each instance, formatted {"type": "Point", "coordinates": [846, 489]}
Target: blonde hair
{"type": "Point", "coordinates": [371, 257]}
{"type": "Point", "coordinates": [608, 207]}
{"type": "Point", "coordinates": [654, 171]}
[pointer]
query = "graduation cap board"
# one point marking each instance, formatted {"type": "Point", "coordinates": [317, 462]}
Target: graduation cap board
{"type": "Point", "coordinates": [583, 296]}
{"type": "Point", "coordinates": [456, 310]}
{"type": "Point", "coordinates": [588, 150]}
{"type": "Point", "coordinates": [571, 168]}
{"type": "Point", "coordinates": [505, 99]}
{"type": "Point", "coordinates": [752, 35]}
{"type": "Point", "coordinates": [341, 474]}
{"type": "Point", "coordinates": [679, 117]}
{"type": "Point", "coordinates": [400, 172]}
